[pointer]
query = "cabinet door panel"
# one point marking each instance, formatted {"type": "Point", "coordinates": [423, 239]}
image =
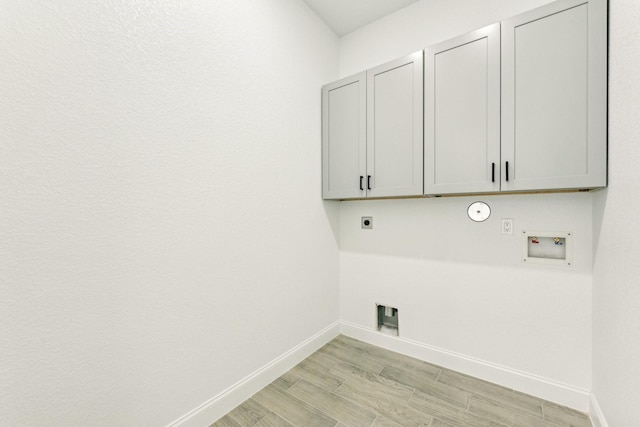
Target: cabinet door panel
{"type": "Point", "coordinates": [394, 127]}
{"type": "Point", "coordinates": [344, 137]}
{"type": "Point", "coordinates": [462, 113]}
{"type": "Point", "coordinates": [551, 89]}
{"type": "Point", "coordinates": [551, 100]}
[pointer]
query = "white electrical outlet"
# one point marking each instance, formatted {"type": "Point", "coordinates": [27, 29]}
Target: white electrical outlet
{"type": "Point", "coordinates": [507, 226]}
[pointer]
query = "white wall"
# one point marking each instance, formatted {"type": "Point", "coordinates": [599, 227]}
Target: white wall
{"type": "Point", "coordinates": [461, 286]}
{"type": "Point", "coordinates": [161, 230]}
{"type": "Point", "coordinates": [616, 277]}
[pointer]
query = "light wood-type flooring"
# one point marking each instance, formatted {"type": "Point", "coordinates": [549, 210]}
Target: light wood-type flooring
{"type": "Point", "coordinates": [351, 383]}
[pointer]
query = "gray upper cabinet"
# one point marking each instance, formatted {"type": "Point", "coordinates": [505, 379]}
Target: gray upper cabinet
{"type": "Point", "coordinates": [394, 128]}
{"type": "Point", "coordinates": [462, 114]}
{"type": "Point", "coordinates": [554, 68]}
{"type": "Point", "coordinates": [344, 161]}
{"type": "Point", "coordinates": [513, 107]}
{"type": "Point", "coordinates": [372, 143]}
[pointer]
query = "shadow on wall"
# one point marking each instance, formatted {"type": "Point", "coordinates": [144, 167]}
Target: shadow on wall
{"type": "Point", "coordinates": [599, 208]}
{"type": "Point", "coordinates": [332, 210]}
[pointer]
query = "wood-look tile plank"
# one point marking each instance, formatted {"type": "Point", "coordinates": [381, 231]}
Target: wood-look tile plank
{"type": "Point", "coordinates": [381, 421]}
{"type": "Point", "coordinates": [381, 389]}
{"type": "Point", "coordinates": [565, 416]}
{"type": "Point", "coordinates": [422, 375]}
{"type": "Point", "coordinates": [375, 396]}
{"type": "Point", "coordinates": [281, 384]}
{"type": "Point", "coordinates": [426, 383]}
{"type": "Point", "coordinates": [503, 414]}
{"type": "Point", "coordinates": [226, 421]}
{"type": "Point", "coordinates": [354, 343]}
{"type": "Point", "coordinates": [518, 402]}
{"type": "Point", "coordinates": [392, 389]}
{"type": "Point", "coordinates": [474, 385]}
{"type": "Point", "coordinates": [333, 405]}
{"type": "Point", "coordinates": [272, 420]}
{"type": "Point", "coordinates": [248, 412]}
{"type": "Point", "coordinates": [327, 362]}
{"type": "Point", "coordinates": [316, 374]}
{"type": "Point", "coordinates": [401, 361]}
{"type": "Point", "coordinates": [292, 409]}
{"type": "Point", "coordinates": [290, 377]}
{"type": "Point", "coordinates": [344, 353]}
{"type": "Point", "coordinates": [447, 413]}
{"type": "Point", "coordinates": [525, 402]}
{"type": "Point", "coordinates": [437, 423]}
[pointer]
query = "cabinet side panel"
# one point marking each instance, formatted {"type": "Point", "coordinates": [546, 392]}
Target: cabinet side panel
{"type": "Point", "coordinates": [551, 71]}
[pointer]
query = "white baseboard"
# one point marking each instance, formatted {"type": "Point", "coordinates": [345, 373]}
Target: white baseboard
{"type": "Point", "coordinates": [597, 417]}
{"type": "Point", "coordinates": [216, 407]}
{"type": "Point", "coordinates": [544, 388]}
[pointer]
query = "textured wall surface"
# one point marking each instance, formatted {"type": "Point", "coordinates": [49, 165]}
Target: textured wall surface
{"type": "Point", "coordinates": [161, 230]}
{"type": "Point", "coordinates": [461, 286]}
{"type": "Point", "coordinates": [616, 277]}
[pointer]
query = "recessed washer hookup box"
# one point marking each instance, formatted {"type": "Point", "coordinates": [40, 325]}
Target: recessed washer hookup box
{"type": "Point", "coordinates": [547, 247]}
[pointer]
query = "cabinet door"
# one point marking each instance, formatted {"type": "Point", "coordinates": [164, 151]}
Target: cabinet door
{"type": "Point", "coordinates": [344, 138]}
{"type": "Point", "coordinates": [462, 114]}
{"type": "Point", "coordinates": [394, 128]}
{"type": "Point", "coordinates": [554, 97]}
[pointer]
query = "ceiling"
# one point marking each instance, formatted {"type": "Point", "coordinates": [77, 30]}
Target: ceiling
{"type": "Point", "coordinates": [345, 16]}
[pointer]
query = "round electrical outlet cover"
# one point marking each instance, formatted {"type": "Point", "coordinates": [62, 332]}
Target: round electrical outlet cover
{"type": "Point", "coordinates": [479, 211]}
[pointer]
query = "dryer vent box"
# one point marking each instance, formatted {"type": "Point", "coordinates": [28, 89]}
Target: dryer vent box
{"type": "Point", "coordinates": [547, 247]}
{"type": "Point", "coordinates": [387, 319]}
